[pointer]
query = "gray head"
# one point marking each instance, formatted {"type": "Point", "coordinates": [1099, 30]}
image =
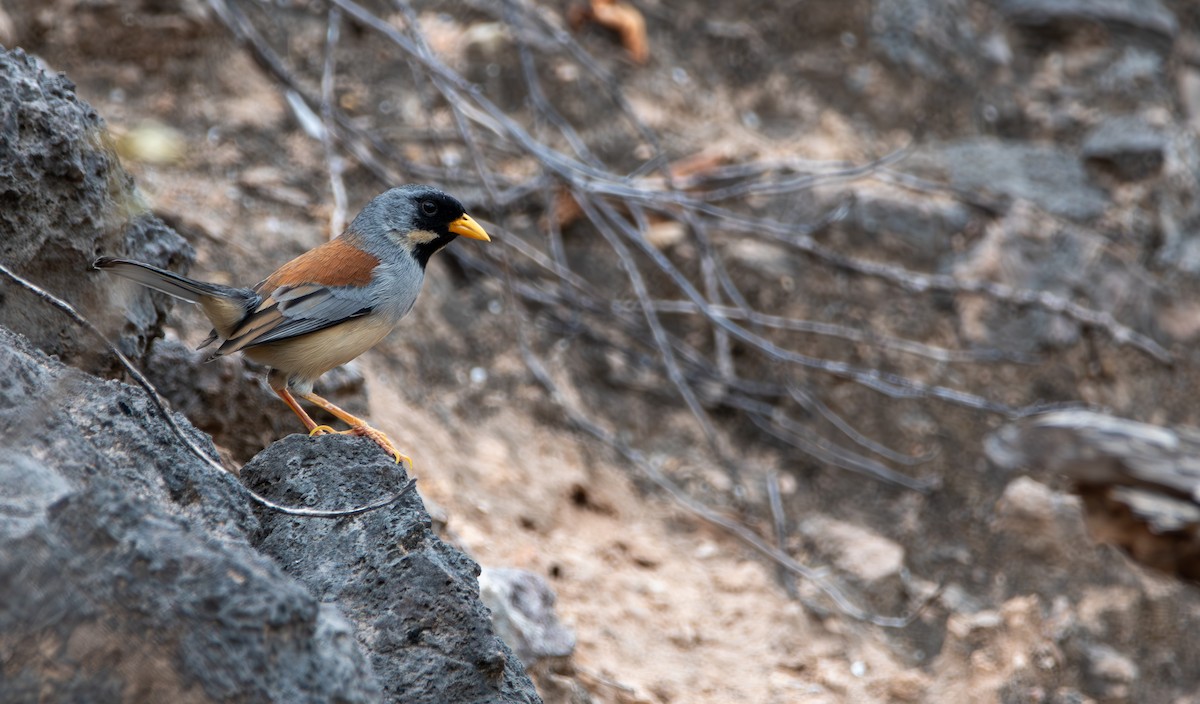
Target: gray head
{"type": "Point", "coordinates": [419, 219]}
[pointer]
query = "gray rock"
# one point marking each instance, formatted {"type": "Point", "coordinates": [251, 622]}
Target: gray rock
{"type": "Point", "coordinates": [1029, 250]}
{"type": "Point", "coordinates": [936, 41]}
{"type": "Point", "coordinates": [1109, 674]}
{"type": "Point", "coordinates": [82, 428]}
{"type": "Point", "coordinates": [132, 563]}
{"type": "Point", "coordinates": [1145, 17]}
{"type": "Point", "coordinates": [125, 559]}
{"type": "Point", "coordinates": [915, 231]}
{"type": "Point", "coordinates": [414, 599]}
{"type": "Point", "coordinates": [64, 199]}
{"type": "Point", "coordinates": [1126, 146]}
{"type": "Point", "coordinates": [522, 606]}
{"type": "Point", "coordinates": [1050, 177]}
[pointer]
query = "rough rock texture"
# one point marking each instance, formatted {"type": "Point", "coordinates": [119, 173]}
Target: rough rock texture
{"type": "Point", "coordinates": [124, 559]}
{"type": "Point", "coordinates": [414, 598]}
{"type": "Point", "coordinates": [130, 563]}
{"type": "Point", "coordinates": [64, 199]}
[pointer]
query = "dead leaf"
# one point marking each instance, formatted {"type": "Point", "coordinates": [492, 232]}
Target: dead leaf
{"type": "Point", "coordinates": [621, 18]}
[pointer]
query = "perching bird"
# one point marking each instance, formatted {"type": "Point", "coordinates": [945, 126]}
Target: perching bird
{"type": "Point", "coordinates": [330, 304]}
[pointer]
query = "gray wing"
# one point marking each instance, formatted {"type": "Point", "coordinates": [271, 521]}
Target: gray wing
{"type": "Point", "coordinates": [290, 311]}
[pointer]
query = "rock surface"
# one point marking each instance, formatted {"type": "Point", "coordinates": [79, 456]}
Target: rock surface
{"type": "Point", "coordinates": [414, 599]}
{"type": "Point", "coordinates": [125, 558]}
{"type": "Point", "coordinates": [110, 530]}
{"type": "Point", "coordinates": [522, 606]}
{"type": "Point", "coordinates": [64, 200]}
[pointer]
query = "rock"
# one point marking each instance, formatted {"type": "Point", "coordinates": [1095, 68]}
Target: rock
{"type": "Point", "coordinates": [1029, 250]}
{"type": "Point", "coordinates": [1140, 483]}
{"type": "Point", "coordinates": [413, 598]}
{"type": "Point", "coordinates": [522, 606]}
{"type": "Point", "coordinates": [1147, 18]}
{"type": "Point", "coordinates": [936, 41]}
{"type": "Point", "coordinates": [125, 558]}
{"type": "Point", "coordinates": [854, 549]}
{"type": "Point", "coordinates": [64, 199]}
{"type": "Point", "coordinates": [1050, 177]}
{"type": "Point", "coordinates": [1045, 523]}
{"type": "Point", "coordinates": [1128, 147]}
{"type": "Point", "coordinates": [915, 231]}
{"type": "Point", "coordinates": [1109, 674]}
{"type": "Point", "coordinates": [111, 530]}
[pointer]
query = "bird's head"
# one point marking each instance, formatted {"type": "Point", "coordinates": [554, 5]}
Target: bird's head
{"type": "Point", "coordinates": [420, 219]}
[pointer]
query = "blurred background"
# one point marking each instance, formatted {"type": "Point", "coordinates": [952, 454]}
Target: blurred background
{"type": "Point", "coordinates": [766, 283]}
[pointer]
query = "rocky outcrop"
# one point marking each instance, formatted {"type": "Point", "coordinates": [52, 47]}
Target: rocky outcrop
{"type": "Point", "coordinates": [413, 598]}
{"type": "Point", "coordinates": [64, 199]}
{"type": "Point", "coordinates": [125, 560]}
{"type": "Point", "coordinates": [132, 571]}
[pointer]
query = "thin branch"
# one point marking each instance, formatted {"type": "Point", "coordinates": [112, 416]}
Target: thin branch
{"type": "Point", "coordinates": [779, 522]}
{"type": "Point", "coordinates": [887, 342]}
{"type": "Point", "coordinates": [919, 282]}
{"type": "Point", "coordinates": [334, 162]}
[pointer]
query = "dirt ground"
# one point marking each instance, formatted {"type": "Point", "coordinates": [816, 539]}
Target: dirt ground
{"type": "Point", "coordinates": [665, 608]}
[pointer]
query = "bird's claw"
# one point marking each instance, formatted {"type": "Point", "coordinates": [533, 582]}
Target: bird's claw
{"type": "Point", "coordinates": [366, 431]}
{"type": "Point", "coordinates": [382, 440]}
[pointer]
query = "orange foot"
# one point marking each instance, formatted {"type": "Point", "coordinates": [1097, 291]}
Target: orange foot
{"type": "Point", "coordinates": [367, 431]}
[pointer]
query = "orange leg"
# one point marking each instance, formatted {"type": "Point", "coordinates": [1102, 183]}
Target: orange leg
{"type": "Point", "coordinates": [309, 424]}
{"type": "Point", "coordinates": [358, 426]}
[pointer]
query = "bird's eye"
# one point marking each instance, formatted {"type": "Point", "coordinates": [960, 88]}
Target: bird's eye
{"type": "Point", "coordinates": [429, 208]}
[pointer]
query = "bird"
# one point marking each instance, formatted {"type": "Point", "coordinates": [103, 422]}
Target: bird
{"type": "Point", "coordinates": [328, 305]}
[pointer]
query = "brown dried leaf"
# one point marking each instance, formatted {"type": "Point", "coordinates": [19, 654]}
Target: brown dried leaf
{"type": "Point", "coordinates": [621, 18]}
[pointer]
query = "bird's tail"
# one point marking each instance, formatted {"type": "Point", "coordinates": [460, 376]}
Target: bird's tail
{"type": "Point", "coordinates": [224, 306]}
{"type": "Point", "coordinates": [168, 282]}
